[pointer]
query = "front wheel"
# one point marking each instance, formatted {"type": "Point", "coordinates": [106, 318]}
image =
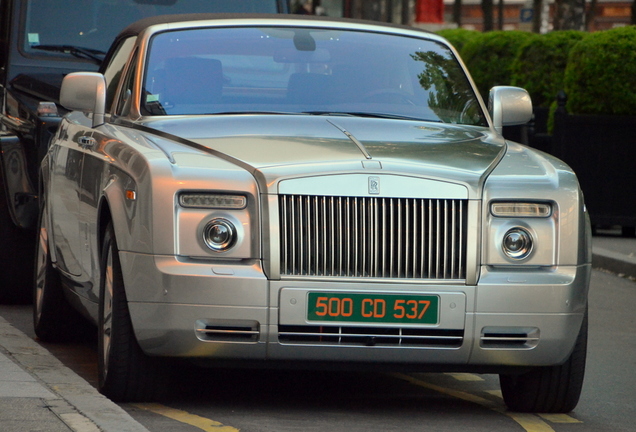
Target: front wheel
{"type": "Point", "coordinates": [125, 373]}
{"type": "Point", "coordinates": [548, 389]}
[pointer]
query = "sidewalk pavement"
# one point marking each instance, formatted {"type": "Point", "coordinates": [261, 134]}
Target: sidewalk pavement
{"type": "Point", "coordinates": [616, 254]}
{"type": "Point", "coordinates": [39, 393]}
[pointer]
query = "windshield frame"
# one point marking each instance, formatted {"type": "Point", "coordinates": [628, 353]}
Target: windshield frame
{"type": "Point", "coordinates": [419, 36]}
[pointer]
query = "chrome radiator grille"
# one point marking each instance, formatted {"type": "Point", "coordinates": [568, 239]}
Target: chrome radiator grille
{"type": "Point", "coordinates": [371, 237]}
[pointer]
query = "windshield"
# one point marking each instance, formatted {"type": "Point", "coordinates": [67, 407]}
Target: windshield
{"type": "Point", "coordinates": [306, 71]}
{"type": "Point", "coordinates": [93, 24]}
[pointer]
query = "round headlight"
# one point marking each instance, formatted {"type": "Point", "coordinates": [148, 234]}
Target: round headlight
{"type": "Point", "coordinates": [517, 243]}
{"type": "Point", "coordinates": [219, 234]}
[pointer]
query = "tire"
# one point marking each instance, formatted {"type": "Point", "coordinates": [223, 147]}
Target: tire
{"type": "Point", "coordinates": [54, 320]}
{"type": "Point", "coordinates": [551, 389]}
{"type": "Point", "coordinates": [628, 231]}
{"type": "Point", "coordinates": [125, 373]}
{"type": "Point", "coordinates": [16, 256]}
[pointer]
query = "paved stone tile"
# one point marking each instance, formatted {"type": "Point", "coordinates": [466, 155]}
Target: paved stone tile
{"type": "Point", "coordinates": [28, 414]}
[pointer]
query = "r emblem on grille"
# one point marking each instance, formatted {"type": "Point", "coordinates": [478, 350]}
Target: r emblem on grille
{"type": "Point", "coordinates": [374, 185]}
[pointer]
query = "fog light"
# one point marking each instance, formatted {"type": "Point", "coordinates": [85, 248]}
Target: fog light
{"type": "Point", "coordinates": [517, 243]}
{"type": "Point", "coordinates": [219, 234]}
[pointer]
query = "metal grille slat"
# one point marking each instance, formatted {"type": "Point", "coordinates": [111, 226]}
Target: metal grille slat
{"type": "Point", "coordinates": [371, 237]}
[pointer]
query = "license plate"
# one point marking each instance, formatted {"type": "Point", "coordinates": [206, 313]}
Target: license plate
{"type": "Point", "coordinates": [377, 308]}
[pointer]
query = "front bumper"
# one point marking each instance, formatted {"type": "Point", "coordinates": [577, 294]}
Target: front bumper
{"type": "Point", "coordinates": [232, 312]}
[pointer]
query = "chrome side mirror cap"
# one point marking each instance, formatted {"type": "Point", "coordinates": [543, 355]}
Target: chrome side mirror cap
{"type": "Point", "coordinates": [509, 106]}
{"type": "Point", "coordinates": [85, 91]}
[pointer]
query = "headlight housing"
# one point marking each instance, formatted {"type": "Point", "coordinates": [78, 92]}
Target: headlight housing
{"type": "Point", "coordinates": [522, 232]}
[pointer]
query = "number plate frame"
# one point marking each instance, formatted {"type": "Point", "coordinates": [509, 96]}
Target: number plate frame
{"type": "Point", "coordinates": [373, 308]}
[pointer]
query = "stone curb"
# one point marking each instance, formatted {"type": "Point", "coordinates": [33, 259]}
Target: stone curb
{"type": "Point", "coordinates": [618, 263]}
{"type": "Point", "coordinates": [74, 401]}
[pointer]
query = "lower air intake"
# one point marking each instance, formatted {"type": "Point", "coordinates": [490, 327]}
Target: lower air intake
{"type": "Point", "coordinates": [227, 331]}
{"type": "Point", "coordinates": [509, 337]}
{"type": "Point", "coordinates": [370, 336]}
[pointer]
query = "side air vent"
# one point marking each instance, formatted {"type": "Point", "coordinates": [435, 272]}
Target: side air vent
{"type": "Point", "coordinates": [370, 336]}
{"type": "Point", "coordinates": [227, 331]}
{"type": "Point", "coordinates": [509, 337]}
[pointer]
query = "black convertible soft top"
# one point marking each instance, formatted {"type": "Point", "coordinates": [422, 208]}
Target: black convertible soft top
{"type": "Point", "coordinates": [138, 26]}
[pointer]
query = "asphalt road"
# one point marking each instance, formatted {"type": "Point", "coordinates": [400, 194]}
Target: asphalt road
{"type": "Point", "coordinates": [259, 401]}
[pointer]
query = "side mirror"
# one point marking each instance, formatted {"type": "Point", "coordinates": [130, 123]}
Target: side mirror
{"type": "Point", "coordinates": [509, 106]}
{"type": "Point", "coordinates": [85, 91]}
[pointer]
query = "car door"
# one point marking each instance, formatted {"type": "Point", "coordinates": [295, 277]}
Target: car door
{"type": "Point", "coordinates": [94, 169]}
{"type": "Point", "coordinates": [66, 170]}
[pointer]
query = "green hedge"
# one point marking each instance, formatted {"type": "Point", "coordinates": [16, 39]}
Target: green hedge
{"type": "Point", "coordinates": [600, 77]}
{"type": "Point", "coordinates": [489, 57]}
{"type": "Point", "coordinates": [540, 64]}
{"type": "Point", "coordinates": [458, 37]}
{"type": "Point", "coordinates": [596, 70]}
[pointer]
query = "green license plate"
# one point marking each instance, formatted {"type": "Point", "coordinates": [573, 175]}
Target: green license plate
{"type": "Point", "coordinates": [376, 308]}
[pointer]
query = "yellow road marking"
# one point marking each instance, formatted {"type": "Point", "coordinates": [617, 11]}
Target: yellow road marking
{"type": "Point", "coordinates": [552, 418]}
{"type": "Point", "coordinates": [530, 422]}
{"type": "Point", "coordinates": [202, 423]}
{"type": "Point", "coordinates": [465, 377]}
{"type": "Point", "coordinates": [495, 393]}
{"type": "Point", "coordinates": [560, 418]}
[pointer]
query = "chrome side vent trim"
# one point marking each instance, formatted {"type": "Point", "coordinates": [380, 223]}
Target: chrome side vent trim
{"type": "Point", "coordinates": [227, 331]}
{"type": "Point", "coordinates": [372, 237]}
{"type": "Point", "coordinates": [370, 336]}
{"type": "Point", "coordinates": [509, 337]}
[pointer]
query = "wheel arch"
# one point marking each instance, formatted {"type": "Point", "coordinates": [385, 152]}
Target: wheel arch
{"type": "Point", "coordinates": [104, 217]}
{"type": "Point", "coordinates": [117, 207]}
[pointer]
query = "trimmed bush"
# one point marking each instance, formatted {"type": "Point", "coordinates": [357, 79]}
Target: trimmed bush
{"type": "Point", "coordinates": [600, 77]}
{"type": "Point", "coordinates": [458, 36]}
{"type": "Point", "coordinates": [540, 64]}
{"type": "Point", "coordinates": [489, 57]}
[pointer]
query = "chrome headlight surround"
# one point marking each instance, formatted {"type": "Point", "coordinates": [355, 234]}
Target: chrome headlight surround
{"type": "Point", "coordinates": [219, 234]}
{"type": "Point", "coordinates": [517, 243]}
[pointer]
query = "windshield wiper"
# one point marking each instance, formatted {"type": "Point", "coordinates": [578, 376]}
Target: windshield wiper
{"type": "Point", "coordinates": [255, 113]}
{"type": "Point", "coordinates": [368, 114]}
{"type": "Point", "coordinates": [80, 52]}
{"type": "Point", "coordinates": [331, 113]}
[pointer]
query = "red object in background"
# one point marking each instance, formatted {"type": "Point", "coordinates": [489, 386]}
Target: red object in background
{"type": "Point", "coordinates": [429, 11]}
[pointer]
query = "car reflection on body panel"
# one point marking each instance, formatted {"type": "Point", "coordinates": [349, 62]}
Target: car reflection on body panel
{"type": "Point", "coordinates": [323, 192]}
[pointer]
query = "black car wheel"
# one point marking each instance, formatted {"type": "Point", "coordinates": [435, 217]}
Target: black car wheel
{"type": "Point", "coordinates": [551, 389]}
{"type": "Point", "coordinates": [126, 374]}
{"type": "Point", "coordinates": [16, 256]}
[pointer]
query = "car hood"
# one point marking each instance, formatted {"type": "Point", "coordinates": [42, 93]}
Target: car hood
{"type": "Point", "coordinates": [275, 147]}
